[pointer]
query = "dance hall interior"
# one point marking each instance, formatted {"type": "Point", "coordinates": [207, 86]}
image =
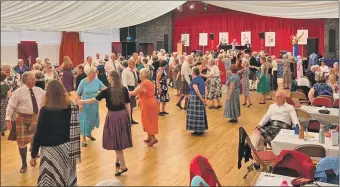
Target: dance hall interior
{"type": "Point", "coordinates": [169, 93]}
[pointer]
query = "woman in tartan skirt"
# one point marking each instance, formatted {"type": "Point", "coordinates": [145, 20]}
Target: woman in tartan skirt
{"type": "Point", "coordinates": [196, 119]}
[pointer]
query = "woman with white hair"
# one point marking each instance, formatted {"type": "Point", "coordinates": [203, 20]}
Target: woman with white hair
{"type": "Point", "coordinates": [21, 67]}
{"type": "Point", "coordinates": [336, 69]}
{"type": "Point", "coordinates": [89, 113]}
{"type": "Point", "coordinates": [12, 78]}
{"type": "Point", "coordinates": [148, 106]}
{"type": "Point", "coordinates": [214, 85]}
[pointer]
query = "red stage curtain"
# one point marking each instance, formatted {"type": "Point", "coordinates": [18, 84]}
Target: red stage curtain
{"type": "Point", "coordinates": [116, 47]}
{"type": "Point", "coordinates": [70, 46]}
{"type": "Point", "coordinates": [217, 20]}
{"type": "Point", "coordinates": [81, 53]}
{"type": "Point", "coordinates": [28, 49]}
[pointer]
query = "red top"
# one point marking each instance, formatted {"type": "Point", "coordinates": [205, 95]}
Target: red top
{"type": "Point", "coordinates": [223, 74]}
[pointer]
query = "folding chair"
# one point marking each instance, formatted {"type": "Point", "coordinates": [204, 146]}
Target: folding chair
{"type": "Point", "coordinates": [315, 152]}
{"type": "Point", "coordinates": [336, 103]}
{"type": "Point", "coordinates": [300, 97]}
{"type": "Point", "coordinates": [264, 158]}
{"type": "Point", "coordinates": [322, 101]}
{"type": "Point", "coordinates": [313, 126]}
{"type": "Point", "coordinates": [327, 96]}
{"type": "Point", "coordinates": [291, 102]}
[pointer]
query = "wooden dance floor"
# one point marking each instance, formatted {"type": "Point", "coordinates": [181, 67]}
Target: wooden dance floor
{"type": "Point", "coordinates": [165, 164]}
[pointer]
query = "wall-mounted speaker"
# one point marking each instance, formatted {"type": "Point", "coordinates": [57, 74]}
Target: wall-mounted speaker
{"type": "Point", "coordinates": [211, 36]}
{"type": "Point", "coordinates": [261, 35]}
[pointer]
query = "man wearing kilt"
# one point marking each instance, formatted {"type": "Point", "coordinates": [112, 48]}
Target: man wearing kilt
{"type": "Point", "coordinates": [196, 119]}
{"type": "Point", "coordinates": [129, 80]}
{"type": "Point", "coordinates": [279, 116]}
{"type": "Point", "coordinates": [186, 73]}
{"type": "Point", "coordinates": [26, 101]}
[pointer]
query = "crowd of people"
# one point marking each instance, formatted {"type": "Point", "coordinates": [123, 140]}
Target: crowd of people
{"type": "Point", "coordinates": [33, 96]}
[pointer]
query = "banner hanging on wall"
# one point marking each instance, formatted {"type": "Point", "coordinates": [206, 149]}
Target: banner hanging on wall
{"type": "Point", "coordinates": [223, 37]}
{"type": "Point", "coordinates": [245, 36]}
{"type": "Point", "coordinates": [185, 39]}
{"type": "Point", "coordinates": [269, 39]}
{"type": "Point", "coordinates": [302, 36]}
{"type": "Point", "coordinates": [203, 39]}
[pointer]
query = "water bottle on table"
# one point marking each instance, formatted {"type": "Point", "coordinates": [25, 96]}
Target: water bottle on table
{"type": "Point", "coordinates": [296, 130]}
{"type": "Point", "coordinates": [322, 134]}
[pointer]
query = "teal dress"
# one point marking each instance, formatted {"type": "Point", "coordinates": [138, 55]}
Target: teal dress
{"type": "Point", "coordinates": [232, 108]}
{"type": "Point", "coordinates": [89, 117]}
{"type": "Point", "coordinates": [263, 85]}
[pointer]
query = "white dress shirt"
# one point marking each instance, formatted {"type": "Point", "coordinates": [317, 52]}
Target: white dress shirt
{"type": "Point", "coordinates": [113, 66]}
{"type": "Point", "coordinates": [21, 101]}
{"type": "Point", "coordinates": [186, 71]}
{"type": "Point", "coordinates": [285, 113]}
{"type": "Point", "coordinates": [87, 65]}
{"type": "Point", "coordinates": [96, 61]}
{"type": "Point", "coordinates": [214, 71]}
{"type": "Point", "coordinates": [274, 66]}
{"type": "Point", "coordinates": [128, 78]}
{"type": "Point", "coordinates": [303, 82]}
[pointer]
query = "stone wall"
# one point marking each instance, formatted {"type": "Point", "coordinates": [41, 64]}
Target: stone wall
{"type": "Point", "coordinates": [331, 24]}
{"type": "Point", "coordinates": [154, 30]}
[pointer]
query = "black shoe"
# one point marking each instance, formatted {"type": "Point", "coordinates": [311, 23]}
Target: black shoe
{"type": "Point", "coordinates": [179, 106]}
{"type": "Point", "coordinates": [161, 114]}
{"type": "Point", "coordinates": [92, 138]}
{"type": "Point", "coordinates": [117, 164]}
{"type": "Point", "coordinates": [119, 173]}
{"type": "Point", "coordinates": [23, 169]}
{"type": "Point", "coordinates": [134, 122]}
{"type": "Point", "coordinates": [233, 121]}
{"type": "Point", "coordinates": [257, 166]}
{"type": "Point", "coordinates": [249, 105]}
{"type": "Point", "coordinates": [218, 107]}
{"type": "Point", "coordinates": [165, 113]}
{"type": "Point", "coordinates": [244, 104]}
{"type": "Point", "coordinates": [197, 133]}
{"type": "Point", "coordinates": [84, 144]}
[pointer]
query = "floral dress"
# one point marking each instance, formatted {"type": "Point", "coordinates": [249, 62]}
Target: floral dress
{"type": "Point", "coordinates": [4, 102]}
{"type": "Point", "coordinates": [163, 95]}
{"type": "Point", "coordinates": [245, 81]}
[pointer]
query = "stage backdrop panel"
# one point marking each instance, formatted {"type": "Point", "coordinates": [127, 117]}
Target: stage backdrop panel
{"type": "Point", "coordinates": [217, 19]}
{"type": "Point", "coordinates": [245, 36]}
{"type": "Point", "coordinates": [203, 39]}
{"type": "Point", "coordinates": [269, 39]}
{"type": "Point", "coordinates": [186, 39]}
{"type": "Point", "coordinates": [223, 37]}
{"type": "Point", "coordinates": [302, 35]}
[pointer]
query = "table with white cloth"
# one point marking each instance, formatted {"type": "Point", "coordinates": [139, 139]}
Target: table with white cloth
{"type": "Point", "coordinates": [287, 140]}
{"type": "Point", "coordinates": [268, 179]}
{"type": "Point", "coordinates": [332, 117]}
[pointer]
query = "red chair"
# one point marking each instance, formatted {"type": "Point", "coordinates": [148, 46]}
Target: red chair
{"type": "Point", "coordinates": [336, 103]}
{"type": "Point", "coordinates": [322, 101]}
{"type": "Point", "coordinates": [313, 126]}
{"type": "Point", "coordinates": [200, 166]}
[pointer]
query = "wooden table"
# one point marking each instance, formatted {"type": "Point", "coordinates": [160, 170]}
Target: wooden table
{"type": "Point", "coordinates": [287, 140]}
{"type": "Point", "coordinates": [333, 117]}
{"type": "Point", "coordinates": [268, 179]}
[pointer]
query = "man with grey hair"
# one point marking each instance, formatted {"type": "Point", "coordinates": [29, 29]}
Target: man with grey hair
{"type": "Point", "coordinates": [311, 75]}
{"type": "Point", "coordinates": [21, 67]}
{"type": "Point", "coordinates": [113, 65]}
{"type": "Point", "coordinates": [130, 80]}
{"type": "Point", "coordinates": [186, 73]}
{"type": "Point", "coordinates": [26, 100]}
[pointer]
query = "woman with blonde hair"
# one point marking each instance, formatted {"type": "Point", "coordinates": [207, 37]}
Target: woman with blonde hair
{"type": "Point", "coordinates": [117, 126]}
{"type": "Point", "coordinates": [67, 79]}
{"type": "Point", "coordinates": [333, 82]}
{"type": "Point", "coordinates": [57, 137]}
{"type": "Point", "coordinates": [148, 106]}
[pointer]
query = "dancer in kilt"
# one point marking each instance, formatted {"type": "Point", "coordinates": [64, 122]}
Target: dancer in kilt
{"type": "Point", "coordinates": [196, 119]}
{"type": "Point", "coordinates": [26, 102]}
{"type": "Point", "coordinates": [58, 136]}
{"type": "Point", "coordinates": [186, 73]}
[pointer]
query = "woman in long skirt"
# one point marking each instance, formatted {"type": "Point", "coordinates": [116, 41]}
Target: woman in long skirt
{"type": "Point", "coordinates": [161, 88]}
{"type": "Point", "coordinates": [148, 106]}
{"type": "Point", "coordinates": [5, 93]}
{"type": "Point", "coordinates": [89, 113]}
{"type": "Point", "coordinates": [245, 83]}
{"type": "Point", "coordinates": [67, 78]}
{"type": "Point", "coordinates": [287, 73]}
{"type": "Point", "coordinates": [214, 85]}
{"type": "Point", "coordinates": [117, 127]}
{"type": "Point", "coordinates": [196, 119]}
{"type": "Point", "coordinates": [232, 104]}
{"type": "Point", "coordinates": [263, 84]}
{"type": "Point", "coordinates": [58, 137]}
{"type": "Point", "coordinates": [176, 76]}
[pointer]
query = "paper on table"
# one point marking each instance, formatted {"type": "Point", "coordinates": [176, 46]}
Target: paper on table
{"type": "Point", "coordinates": [270, 181]}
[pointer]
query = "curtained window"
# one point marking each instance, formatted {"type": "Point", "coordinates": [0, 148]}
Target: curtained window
{"type": "Point", "coordinates": [70, 46]}
{"type": "Point", "coordinates": [116, 47]}
{"type": "Point", "coordinates": [28, 49]}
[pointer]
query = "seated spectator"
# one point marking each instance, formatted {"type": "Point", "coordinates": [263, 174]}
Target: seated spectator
{"type": "Point", "coordinates": [320, 88]}
{"type": "Point", "coordinates": [311, 75]}
{"type": "Point", "coordinates": [324, 68]}
{"type": "Point", "coordinates": [279, 116]}
{"type": "Point", "coordinates": [333, 82]}
{"type": "Point", "coordinates": [303, 81]}
{"type": "Point", "coordinates": [335, 69]}
{"type": "Point", "coordinates": [21, 67]}
{"type": "Point", "coordinates": [294, 85]}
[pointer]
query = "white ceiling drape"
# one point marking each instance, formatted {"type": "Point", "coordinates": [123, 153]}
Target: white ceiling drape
{"type": "Point", "coordinates": [81, 15]}
{"type": "Point", "coordinates": [284, 9]}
